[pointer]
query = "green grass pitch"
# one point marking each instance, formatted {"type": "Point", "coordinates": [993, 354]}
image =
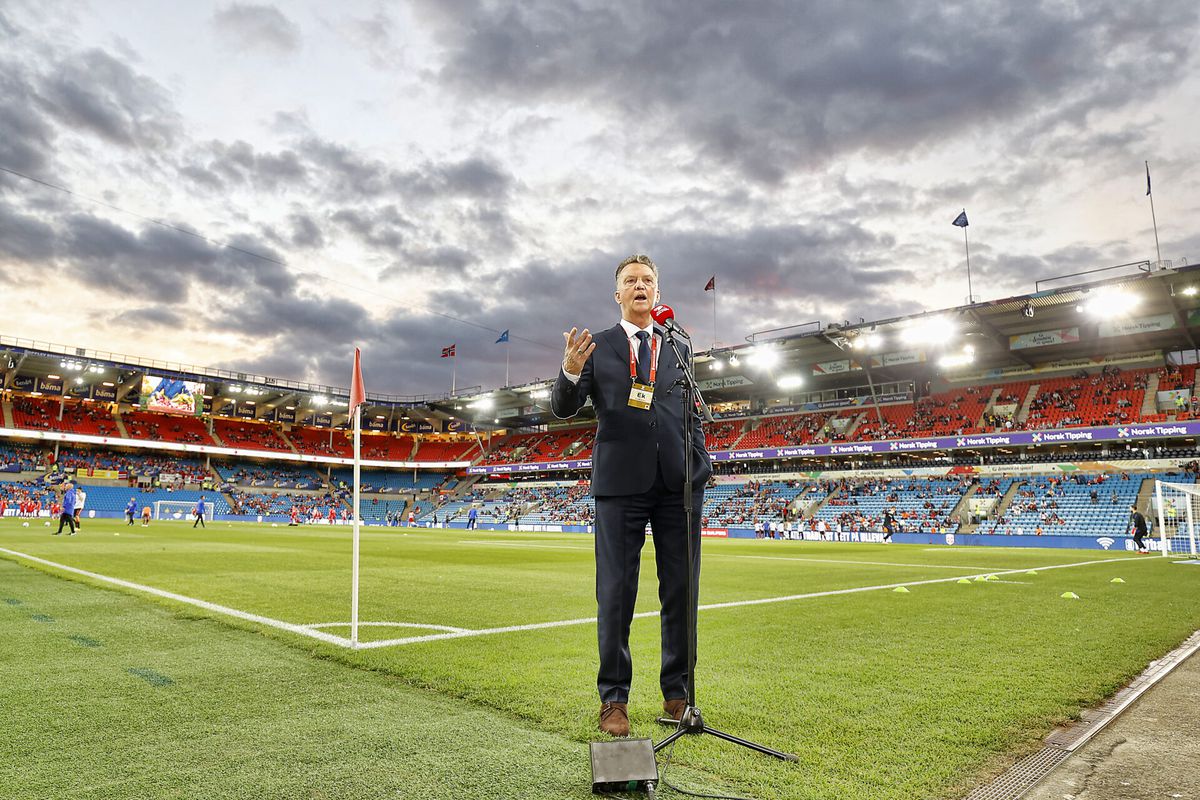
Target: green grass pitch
{"type": "Point", "coordinates": [111, 692]}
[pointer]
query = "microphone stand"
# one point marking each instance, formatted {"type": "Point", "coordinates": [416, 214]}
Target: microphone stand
{"type": "Point", "coordinates": [692, 722]}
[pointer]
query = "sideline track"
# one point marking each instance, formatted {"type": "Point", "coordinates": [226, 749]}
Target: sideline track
{"type": "Point", "coordinates": [341, 641]}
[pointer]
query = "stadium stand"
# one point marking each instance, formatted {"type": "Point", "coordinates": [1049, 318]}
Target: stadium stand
{"type": "Point", "coordinates": [20, 458]}
{"type": "Point", "coordinates": [747, 502]}
{"type": "Point", "coordinates": [380, 481]}
{"type": "Point", "coordinates": [84, 461]}
{"type": "Point", "coordinates": [317, 441]}
{"type": "Point", "coordinates": [1112, 397]}
{"type": "Point", "coordinates": [267, 475]}
{"type": "Point", "coordinates": [249, 435]}
{"type": "Point", "coordinates": [920, 505]}
{"type": "Point", "coordinates": [447, 451]}
{"type": "Point", "coordinates": [166, 427]}
{"type": "Point", "coordinates": [77, 417]}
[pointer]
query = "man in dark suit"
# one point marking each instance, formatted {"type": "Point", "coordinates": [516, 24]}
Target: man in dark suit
{"type": "Point", "coordinates": [637, 478]}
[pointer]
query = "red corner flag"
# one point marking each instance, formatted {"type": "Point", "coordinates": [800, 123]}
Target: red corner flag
{"type": "Point", "coordinates": [711, 286]}
{"type": "Point", "coordinates": [358, 393]}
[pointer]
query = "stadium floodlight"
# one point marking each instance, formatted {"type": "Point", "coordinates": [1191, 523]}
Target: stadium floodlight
{"type": "Point", "coordinates": [929, 330]}
{"type": "Point", "coordinates": [53, 377]}
{"type": "Point", "coordinates": [1110, 301]}
{"type": "Point", "coordinates": [867, 341]}
{"type": "Point", "coordinates": [967, 356]}
{"type": "Point", "coordinates": [483, 404]}
{"type": "Point", "coordinates": [733, 360]}
{"type": "Point", "coordinates": [1190, 291]}
{"type": "Point", "coordinates": [320, 400]}
{"type": "Point", "coordinates": [716, 365]}
{"type": "Point", "coordinates": [790, 381]}
{"type": "Point", "coordinates": [764, 357]}
{"type": "Point", "coordinates": [539, 394]}
{"type": "Point", "coordinates": [78, 381]}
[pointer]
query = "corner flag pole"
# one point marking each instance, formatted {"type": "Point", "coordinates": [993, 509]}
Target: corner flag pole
{"type": "Point", "coordinates": [357, 397]}
{"type": "Point", "coordinates": [1157, 251]}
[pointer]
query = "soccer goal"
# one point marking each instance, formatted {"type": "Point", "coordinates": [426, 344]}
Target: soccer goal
{"type": "Point", "coordinates": [180, 509]}
{"type": "Point", "coordinates": [1177, 507]}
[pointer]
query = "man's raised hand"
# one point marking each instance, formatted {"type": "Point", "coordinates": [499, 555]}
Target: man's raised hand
{"type": "Point", "coordinates": [579, 349]}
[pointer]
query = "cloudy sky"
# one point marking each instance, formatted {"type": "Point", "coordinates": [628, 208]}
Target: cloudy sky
{"type": "Point", "coordinates": [403, 176]}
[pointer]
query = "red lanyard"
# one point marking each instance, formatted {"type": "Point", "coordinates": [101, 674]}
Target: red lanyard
{"type": "Point", "coordinates": [653, 360]}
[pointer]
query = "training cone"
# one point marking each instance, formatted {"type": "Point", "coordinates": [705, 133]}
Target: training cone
{"type": "Point", "coordinates": [1031, 572]}
{"type": "Point", "coordinates": [1117, 580]}
{"type": "Point", "coordinates": [991, 578]}
{"type": "Point", "coordinates": [965, 580]}
{"type": "Point", "coordinates": [980, 579]}
{"type": "Point", "coordinates": [901, 589]}
{"type": "Point", "coordinates": [1069, 596]}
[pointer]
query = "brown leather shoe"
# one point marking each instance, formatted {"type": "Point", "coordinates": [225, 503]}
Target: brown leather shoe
{"type": "Point", "coordinates": [675, 707]}
{"type": "Point", "coordinates": [614, 719]}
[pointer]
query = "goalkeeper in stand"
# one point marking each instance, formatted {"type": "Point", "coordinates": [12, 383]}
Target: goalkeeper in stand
{"type": "Point", "coordinates": [199, 512]}
{"type": "Point", "coordinates": [1137, 523]}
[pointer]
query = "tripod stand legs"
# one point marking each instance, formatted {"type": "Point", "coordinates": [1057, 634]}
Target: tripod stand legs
{"type": "Point", "coordinates": [693, 722]}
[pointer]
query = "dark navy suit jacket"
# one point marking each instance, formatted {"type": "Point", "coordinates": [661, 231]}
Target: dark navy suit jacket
{"type": "Point", "coordinates": [631, 442]}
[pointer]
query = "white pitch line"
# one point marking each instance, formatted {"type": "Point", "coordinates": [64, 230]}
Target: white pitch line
{"type": "Point", "coordinates": [527, 544]}
{"type": "Point", "coordinates": [207, 606]}
{"type": "Point", "coordinates": [732, 604]}
{"type": "Point", "coordinates": [847, 561]}
{"type": "Point", "coordinates": [451, 628]}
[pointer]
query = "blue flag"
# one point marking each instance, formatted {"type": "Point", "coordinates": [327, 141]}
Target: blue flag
{"type": "Point", "coordinates": [503, 337]}
{"type": "Point", "coordinates": [961, 220]}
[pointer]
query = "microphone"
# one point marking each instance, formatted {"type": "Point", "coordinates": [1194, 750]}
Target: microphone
{"type": "Point", "coordinates": [664, 315]}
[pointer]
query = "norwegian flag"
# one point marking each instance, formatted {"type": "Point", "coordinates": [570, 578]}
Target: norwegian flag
{"type": "Point", "coordinates": [711, 286]}
{"type": "Point", "coordinates": [448, 352]}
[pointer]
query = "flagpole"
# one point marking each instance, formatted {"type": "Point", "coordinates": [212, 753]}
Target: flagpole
{"type": "Point", "coordinates": [354, 579]}
{"type": "Point", "coordinates": [967, 247]}
{"type": "Point", "coordinates": [1153, 218]}
{"type": "Point", "coordinates": [453, 374]}
{"type": "Point", "coordinates": [507, 345]}
{"type": "Point", "coordinates": [715, 338]}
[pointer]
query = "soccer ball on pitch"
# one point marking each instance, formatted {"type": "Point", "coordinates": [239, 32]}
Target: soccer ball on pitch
{"type": "Point", "coordinates": [178, 515]}
{"type": "Point", "coordinates": [24, 524]}
{"type": "Point", "coordinates": [47, 523]}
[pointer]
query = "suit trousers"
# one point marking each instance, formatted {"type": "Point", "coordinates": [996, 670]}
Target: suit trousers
{"type": "Point", "coordinates": [620, 535]}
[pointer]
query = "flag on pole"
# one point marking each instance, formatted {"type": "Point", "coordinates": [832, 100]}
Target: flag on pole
{"type": "Point", "coordinates": [448, 352]}
{"type": "Point", "coordinates": [961, 220]}
{"type": "Point", "coordinates": [358, 393]}
{"type": "Point", "coordinates": [711, 286]}
{"type": "Point", "coordinates": [503, 337]}
{"type": "Point", "coordinates": [1147, 178]}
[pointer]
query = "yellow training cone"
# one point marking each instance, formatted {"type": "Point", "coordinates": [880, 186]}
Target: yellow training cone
{"type": "Point", "coordinates": [1117, 580]}
{"type": "Point", "coordinates": [1032, 572]}
{"type": "Point", "coordinates": [1069, 596]}
{"type": "Point", "coordinates": [991, 578]}
{"type": "Point", "coordinates": [901, 589]}
{"type": "Point", "coordinates": [965, 580]}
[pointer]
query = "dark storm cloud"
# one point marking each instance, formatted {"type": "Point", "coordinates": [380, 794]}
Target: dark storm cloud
{"type": "Point", "coordinates": [771, 86]}
{"type": "Point", "coordinates": [95, 92]}
{"type": "Point", "coordinates": [24, 239]}
{"type": "Point", "coordinates": [26, 138]}
{"type": "Point", "coordinates": [305, 232]}
{"type": "Point", "coordinates": [162, 263]}
{"type": "Point", "coordinates": [249, 25]}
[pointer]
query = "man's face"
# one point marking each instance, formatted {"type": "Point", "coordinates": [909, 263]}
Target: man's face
{"type": "Point", "coordinates": [637, 290]}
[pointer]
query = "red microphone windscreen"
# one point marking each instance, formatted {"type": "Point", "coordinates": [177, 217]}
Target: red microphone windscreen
{"type": "Point", "coordinates": [662, 313]}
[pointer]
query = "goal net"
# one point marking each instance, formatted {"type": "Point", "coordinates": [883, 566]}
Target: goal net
{"type": "Point", "coordinates": [181, 509]}
{"type": "Point", "coordinates": [1177, 512]}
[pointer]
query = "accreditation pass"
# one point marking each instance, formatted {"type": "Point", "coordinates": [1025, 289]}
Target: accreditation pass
{"type": "Point", "coordinates": [641, 395]}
